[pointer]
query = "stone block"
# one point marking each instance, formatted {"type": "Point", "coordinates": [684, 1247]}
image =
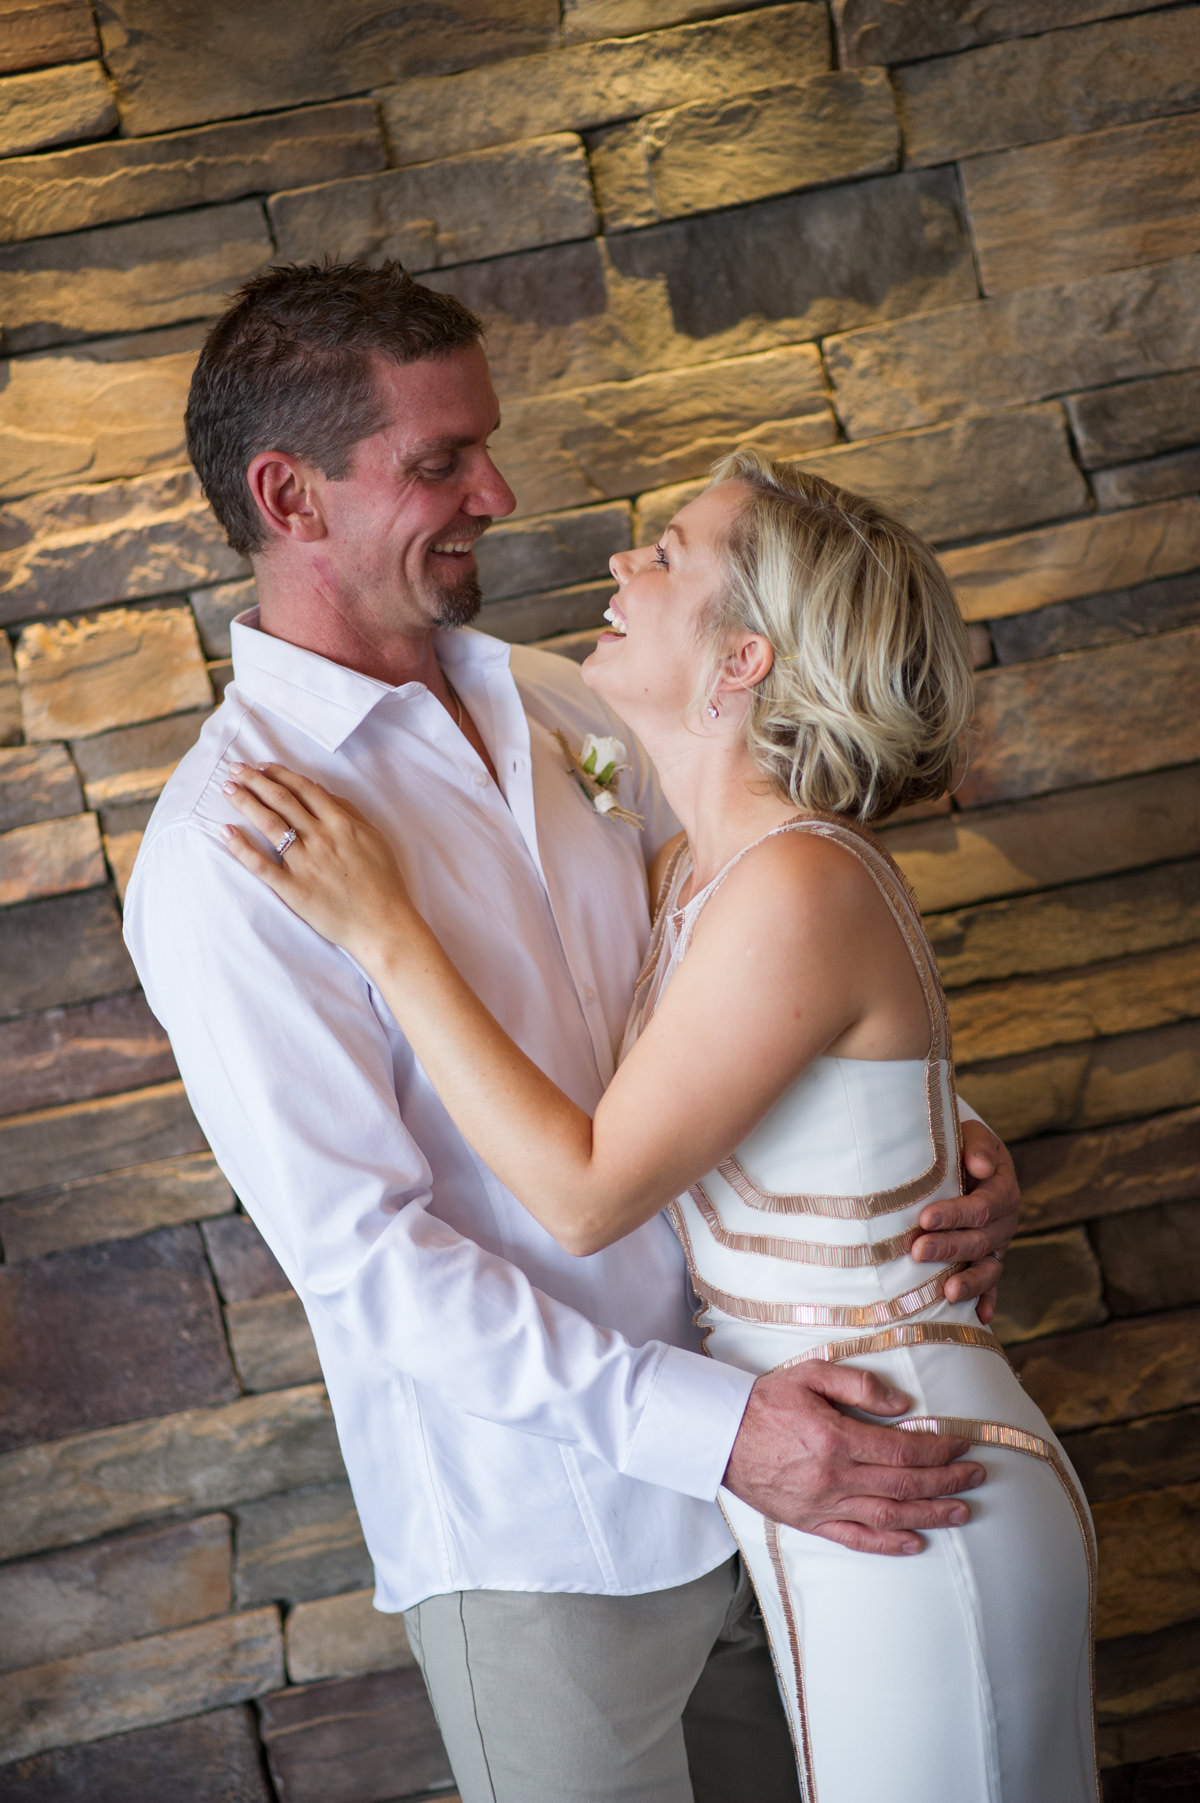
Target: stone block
{"type": "Point", "coordinates": [1050, 839]}
{"type": "Point", "coordinates": [575, 645]}
{"type": "Point", "coordinates": [1051, 1285]}
{"type": "Point", "coordinates": [80, 677]}
{"type": "Point", "coordinates": [1150, 479]}
{"type": "Point", "coordinates": [1136, 419]}
{"type": "Point", "coordinates": [1163, 1779]}
{"type": "Point", "coordinates": [221, 675]}
{"type": "Point", "coordinates": [55, 106]}
{"type": "Point", "coordinates": [129, 178]}
{"type": "Point", "coordinates": [33, 32]}
{"type": "Point", "coordinates": [1137, 1455]}
{"type": "Point", "coordinates": [1079, 1176]}
{"type": "Point", "coordinates": [92, 1049]}
{"type": "Point", "coordinates": [123, 830]}
{"type": "Point", "coordinates": [10, 698]}
{"type": "Point", "coordinates": [1049, 86]}
{"type": "Point", "coordinates": [1035, 1093]}
{"type": "Point", "coordinates": [37, 782]}
{"type": "Point", "coordinates": [1078, 924]}
{"type": "Point", "coordinates": [215, 1756]}
{"type": "Point", "coordinates": [159, 1678]}
{"type": "Point", "coordinates": [482, 204]}
{"type": "Point", "coordinates": [879, 31]}
{"type": "Point", "coordinates": [1075, 207]}
{"type": "Point", "coordinates": [52, 857]}
{"type": "Point", "coordinates": [120, 1205]}
{"type": "Point", "coordinates": [271, 1342]}
{"type": "Point", "coordinates": [1016, 347]}
{"type": "Point", "coordinates": [1099, 620]}
{"type": "Point", "coordinates": [1149, 1561]}
{"type": "Point", "coordinates": [1090, 715]}
{"type": "Point", "coordinates": [79, 548]}
{"type": "Point", "coordinates": [216, 609]}
{"type": "Point", "coordinates": [1144, 1672]}
{"type": "Point", "coordinates": [1079, 558]}
{"type": "Point", "coordinates": [90, 1139]}
{"type": "Point", "coordinates": [354, 1738]}
{"type": "Point", "coordinates": [125, 278]}
{"type": "Point", "coordinates": [65, 950]}
{"type": "Point", "coordinates": [343, 1637]}
{"type": "Point", "coordinates": [243, 1264]}
{"type": "Point", "coordinates": [549, 549]}
{"type": "Point", "coordinates": [595, 83]}
{"type": "Point", "coordinates": [1114, 1373]}
{"type": "Point", "coordinates": [299, 1546]}
{"type": "Point", "coordinates": [568, 449]}
{"type": "Point", "coordinates": [132, 764]}
{"type": "Point", "coordinates": [584, 19]}
{"type": "Point", "coordinates": [227, 61]}
{"type": "Point", "coordinates": [91, 1484]}
{"type": "Point", "coordinates": [1150, 1258]}
{"type": "Point", "coordinates": [773, 140]}
{"type": "Point", "coordinates": [113, 407]}
{"type": "Point", "coordinates": [111, 1333]}
{"type": "Point", "coordinates": [114, 1590]}
{"type": "Point", "coordinates": [534, 617]}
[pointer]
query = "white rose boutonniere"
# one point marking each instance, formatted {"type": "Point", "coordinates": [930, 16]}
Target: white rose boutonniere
{"type": "Point", "coordinates": [597, 767]}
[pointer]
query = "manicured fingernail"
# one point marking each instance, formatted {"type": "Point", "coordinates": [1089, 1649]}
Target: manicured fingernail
{"type": "Point", "coordinates": [911, 1546]}
{"type": "Point", "coordinates": [229, 788]}
{"type": "Point", "coordinates": [227, 832]}
{"type": "Point", "coordinates": [237, 768]}
{"type": "Point", "coordinates": [957, 1517]}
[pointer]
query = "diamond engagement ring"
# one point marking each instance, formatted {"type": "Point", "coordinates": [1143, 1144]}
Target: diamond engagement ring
{"type": "Point", "coordinates": [286, 843]}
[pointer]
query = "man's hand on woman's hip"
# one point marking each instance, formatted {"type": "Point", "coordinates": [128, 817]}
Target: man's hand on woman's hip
{"type": "Point", "coordinates": [977, 1227]}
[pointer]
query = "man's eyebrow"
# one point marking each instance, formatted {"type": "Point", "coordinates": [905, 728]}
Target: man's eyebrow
{"type": "Point", "coordinates": [447, 441]}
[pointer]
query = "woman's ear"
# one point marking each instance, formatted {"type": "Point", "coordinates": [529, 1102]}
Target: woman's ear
{"type": "Point", "coordinates": [286, 493]}
{"type": "Point", "coordinates": [747, 663]}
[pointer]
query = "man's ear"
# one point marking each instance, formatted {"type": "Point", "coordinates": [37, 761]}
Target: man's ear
{"type": "Point", "coordinates": [287, 495]}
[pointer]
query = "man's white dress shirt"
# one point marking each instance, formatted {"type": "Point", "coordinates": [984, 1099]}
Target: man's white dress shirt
{"type": "Point", "coordinates": [510, 1417]}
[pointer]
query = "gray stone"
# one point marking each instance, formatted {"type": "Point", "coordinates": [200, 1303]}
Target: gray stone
{"type": "Point", "coordinates": [1051, 1285]}
{"type": "Point", "coordinates": [1083, 717]}
{"type": "Point", "coordinates": [564, 610]}
{"type": "Point", "coordinates": [80, 677]}
{"type": "Point", "coordinates": [593, 84]}
{"type": "Point", "coordinates": [584, 19]}
{"type": "Point", "coordinates": [299, 1546]}
{"type": "Point", "coordinates": [89, 1139]}
{"type": "Point", "coordinates": [92, 1049]}
{"type": "Point", "coordinates": [124, 278]}
{"type": "Point", "coordinates": [214, 1756]}
{"type": "Point", "coordinates": [1081, 1176]}
{"type": "Point", "coordinates": [1115, 1373]}
{"type": "Point", "coordinates": [1150, 1257]}
{"type": "Point", "coordinates": [1021, 347]}
{"type": "Point", "coordinates": [1138, 1455]}
{"type": "Point", "coordinates": [552, 548]}
{"type": "Point", "coordinates": [1078, 558]}
{"type": "Point", "coordinates": [110, 1691]}
{"type": "Point", "coordinates": [123, 830]}
{"type": "Point", "coordinates": [1099, 620]}
{"type": "Point", "coordinates": [1137, 419]}
{"type": "Point", "coordinates": [343, 1637]}
{"type": "Point", "coordinates": [52, 857]}
{"type": "Point", "coordinates": [243, 1264]}
{"type": "Point", "coordinates": [1021, 92]}
{"type": "Point", "coordinates": [189, 66]}
{"type": "Point", "coordinates": [10, 696]}
{"type": "Point", "coordinates": [482, 204]}
{"type": "Point", "coordinates": [357, 1738]}
{"type": "Point", "coordinates": [132, 763]}
{"type": "Point", "coordinates": [54, 106]}
{"type": "Point", "coordinates": [65, 950]}
{"type": "Point", "coordinates": [128, 178]}
{"type": "Point", "coordinates": [772, 141]}
{"type": "Point", "coordinates": [879, 31]}
{"type": "Point", "coordinates": [1075, 207]}
{"type": "Point", "coordinates": [79, 548]}
{"type": "Point", "coordinates": [37, 782]}
{"type": "Point", "coordinates": [216, 609]}
{"type": "Point", "coordinates": [33, 32]}
{"type": "Point", "coordinates": [114, 1590]}
{"type": "Point", "coordinates": [119, 1205]}
{"type": "Point", "coordinates": [91, 1484]}
{"type": "Point", "coordinates": [1149, 1571]}
{"type": "Point", "coordinates": [271, 1342]}
{"type": "Point", "coordinates": [1145, 1673]}
{"type": "Point", "coordinates": [1152, 479]}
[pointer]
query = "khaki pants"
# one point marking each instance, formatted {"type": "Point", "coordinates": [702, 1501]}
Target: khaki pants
{"type": "Point", "coordinates": [664, 1698]}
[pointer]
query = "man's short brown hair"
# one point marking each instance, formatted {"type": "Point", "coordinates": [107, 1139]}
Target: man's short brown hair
{"type": "Point", "coordinates": [288, 368]}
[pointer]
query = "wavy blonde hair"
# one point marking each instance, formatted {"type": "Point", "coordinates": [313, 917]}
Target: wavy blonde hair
{"type": "Point", "coordinates": [869, 695]}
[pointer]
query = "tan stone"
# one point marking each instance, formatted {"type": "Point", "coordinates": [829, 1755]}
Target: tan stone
{"type": "Point", "coordinates": [584, 19]}
{"type": "Point", "coordinates": [216, 609]}
{"type": "Point", "coordinates": [272, 1342]}
{"type": "Point", "coordinates": [78, 548]}
{"type": "Point", "coordinates": [772, 141]}
{"type": "Point", "coordinates": [482, 204]}
{"type": "Point", "coordinates": [1085, 716]}
{"type": "Point", "coordinates": [1115, 1373]}
{"type": "Point", "coordinates": [124, 278]}
{"type": "Point", "coordinates": [110, 408]}
{"type": "Point", "coordinates": [302, 1545]}
{"type": "Point", "coordinates": [567, 449]}
{"type": "Point", "coordinates": [1072, 208]}
{"type": "Point", "coordinates": [54, 106]}
{"type": "Point", "coordinates": [1143, 1673]}
{"type": "Point", "coordinates": [121, 847]}
{"type": "Point", "coordinates": [229, 60]}
{"type": "Point", "coordinates": [342, 1637]}
{"type": "Point", "coordinates": [10, 695]}
{"type": "Point", "coordinates": [94, 1048]}
{"type": "Point", "coordinates": [1076, 1086]}
{"type": "Point", "coordinates": [33, 32]}
{"type": "Point", "coordinates": [593, 84]}
{"type": "Point", "coordinates": [66, 949]}
{"type": "Point", "coordinates": [115, 1590]}
{"type": "Point", "coordinates": [1035, 1093]}
{"type": "Point", "coordinates": [1149, 1564]}
{"type": "Point", "coordinates": [37, 782]}
{"type": "Point", "coordinates": [1048, 86]}
{"type": "Point", "coordinates": [126, 665]}
{"type": "Point", "coordinates": [1151, 479]}
{"type": "Point", "coordinates": [91, 1484]}
{"type": "Point", "coordinates": [1150, 1258]}
{"type": "Point", "coordinates": [1051, 1285]}
{"type": "Point", "coordinates": [350, 1737]}
{"type": "Point", "coordinates": [119, 1205]}
{"type": "Point", "coordinates": [1077, 1176]}
{"type": "Point", "coordinates": [532, 555]}
{"type": "Point", "coordinates": [88, 1139]}
{"type": "Point", "coordinates": [53, 857]}
{"type": "Point", "coordinates": [1020, 347]}
{"type": "Point", "coordinates": [1165, 1732]}
{"type": "Point", "coordinates": [879, 31]}
{"type": "Point", "coordinates": [132, 763]}
{"type": "Point", "coordinates": [1080, 557]}
{"type": "Point", "coordinates": [152, 1680]}
{"type": "Point", "coordinates": [210, 1756]}
{"type": "Point", "coordinates": [1137, 1455]}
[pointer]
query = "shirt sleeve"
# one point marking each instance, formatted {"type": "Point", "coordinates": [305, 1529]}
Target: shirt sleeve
{"type": "Point", "coordinates": [290, 1072]}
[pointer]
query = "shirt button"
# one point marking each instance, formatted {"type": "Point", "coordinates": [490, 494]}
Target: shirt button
{"type": "Point", "coordinates": [481, 779]}
{"type": "Point", "coordinates": [589, 994]}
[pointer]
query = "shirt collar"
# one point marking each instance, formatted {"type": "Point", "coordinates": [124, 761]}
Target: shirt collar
{"type": "Point", "coordinates": [328, 701]}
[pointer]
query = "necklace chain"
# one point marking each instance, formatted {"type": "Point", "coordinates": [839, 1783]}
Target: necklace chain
{"type": "Point", "coordinates": [456, 698]}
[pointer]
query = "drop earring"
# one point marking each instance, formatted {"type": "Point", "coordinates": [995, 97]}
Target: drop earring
{"type": "Point", "coordinates": [714, 712]}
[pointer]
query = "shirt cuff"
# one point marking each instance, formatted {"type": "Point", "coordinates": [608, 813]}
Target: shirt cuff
{"type": "Point", "coordinates": [967, 1113]}
{"type": "Point", "coordinates": [690, 1423]}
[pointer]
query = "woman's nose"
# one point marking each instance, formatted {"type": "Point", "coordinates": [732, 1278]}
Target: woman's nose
{"type": "Point", "coordinates": [619, 564]}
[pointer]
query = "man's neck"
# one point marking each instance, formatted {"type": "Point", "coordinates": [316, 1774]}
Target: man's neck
{"type": "Point", "coordinates": [375, 649]}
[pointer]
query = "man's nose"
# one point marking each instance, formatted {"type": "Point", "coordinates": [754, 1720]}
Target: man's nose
{"type": "Point", "coordinates": [490, 493]}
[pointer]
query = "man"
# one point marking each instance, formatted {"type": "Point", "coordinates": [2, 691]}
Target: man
{"type": "Point", "coordinates": [534, 1443]}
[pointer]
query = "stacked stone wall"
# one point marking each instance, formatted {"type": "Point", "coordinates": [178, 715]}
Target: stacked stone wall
{"type": "Point", "coordinates": [946, 253]}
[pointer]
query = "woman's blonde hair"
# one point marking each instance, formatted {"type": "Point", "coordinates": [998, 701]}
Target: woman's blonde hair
{"type": "Point", "coordinates": [869, 694]}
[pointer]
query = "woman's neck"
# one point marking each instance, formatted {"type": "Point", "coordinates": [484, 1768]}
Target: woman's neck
{"type": "Point", "coordinates": [717, 793]}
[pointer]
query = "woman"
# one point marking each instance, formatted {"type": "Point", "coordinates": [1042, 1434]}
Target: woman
{"type": "Point", "coordinates": [793, 661]}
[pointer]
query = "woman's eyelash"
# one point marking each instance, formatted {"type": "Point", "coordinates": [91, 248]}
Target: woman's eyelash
{"type": "Point", "coordinates": [660, 556]}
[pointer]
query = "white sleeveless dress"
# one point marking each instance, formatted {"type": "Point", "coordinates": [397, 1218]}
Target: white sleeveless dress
{"type": "Point", "coordinates": [962, 1674]}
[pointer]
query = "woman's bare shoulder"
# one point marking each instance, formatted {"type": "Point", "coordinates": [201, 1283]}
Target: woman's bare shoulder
{"type": "Point", "coordinates": [795, 886]}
